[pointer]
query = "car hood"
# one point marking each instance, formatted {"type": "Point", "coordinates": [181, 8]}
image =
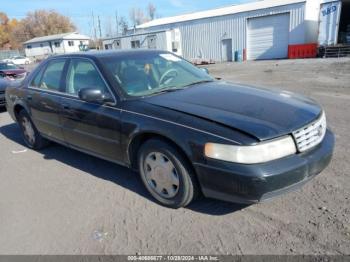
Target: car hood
{"type": "Point", "coordinates": [262, 113]}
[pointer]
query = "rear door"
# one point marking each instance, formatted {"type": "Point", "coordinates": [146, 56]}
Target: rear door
{"type": "Point", "coordinates": [227, 50]}
{"type": "Point", "coordinates": [43, 98]}
{"type": "Point", "coordinates": [92, 127]}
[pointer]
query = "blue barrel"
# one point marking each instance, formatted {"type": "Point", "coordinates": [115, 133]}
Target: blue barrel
{"type": "Point", "coordinates": [239, 56]}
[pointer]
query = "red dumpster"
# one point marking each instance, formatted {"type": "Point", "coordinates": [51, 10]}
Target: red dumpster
{"type": "Point", "coordinates": [302, 51]}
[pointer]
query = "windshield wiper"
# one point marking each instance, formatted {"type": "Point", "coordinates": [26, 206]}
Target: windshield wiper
{"type": "Point", "coordinates": [174, 88]}
{"type": "Point", "coordinates": [168, 90]}
{"type": "Point", "coordinates": [200, 82]}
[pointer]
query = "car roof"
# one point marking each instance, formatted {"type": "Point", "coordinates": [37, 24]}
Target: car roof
{"type": "Point", "coordinates": [108, 53]}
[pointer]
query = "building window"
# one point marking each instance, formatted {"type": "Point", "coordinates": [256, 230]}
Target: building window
{"type": "Point", "coordinates": [117, 44]}
{"type": "Point", "coordinates": [152, 41]}
{"type": "Point", "coordinates": [57, 44]}
{"type": "Point", "coordinates": [71, 43]}
{"type": "Point", "coordinates": [81, 43]}
{"type": "Point", "coordinates": [29, 46]}
{"type": "Point", "coordinates": [135, 44]}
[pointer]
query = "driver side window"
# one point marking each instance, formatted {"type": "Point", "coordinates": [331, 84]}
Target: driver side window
{"type": "Point", "coordinates": [83, 74]}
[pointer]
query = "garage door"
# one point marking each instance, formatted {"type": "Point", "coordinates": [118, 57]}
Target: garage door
{"type": "Point", "coordinates": [268, 37]}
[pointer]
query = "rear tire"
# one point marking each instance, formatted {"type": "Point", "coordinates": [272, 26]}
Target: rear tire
{"type": "Point", "coordinates": [30, 134]}
{"type": "Point", "coordinates": [166, 174]}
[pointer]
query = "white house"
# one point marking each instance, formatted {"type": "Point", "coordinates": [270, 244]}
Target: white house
{"type": "Point", "coordinates": [44, 46]}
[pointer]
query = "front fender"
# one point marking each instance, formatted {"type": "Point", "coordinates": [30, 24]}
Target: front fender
{"type": "Point", "coordinates": [190, 140]}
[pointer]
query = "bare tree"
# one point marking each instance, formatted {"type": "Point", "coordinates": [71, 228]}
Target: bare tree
{"type": "Point", "coordinates": [137, 16]}
{"type": "Point", "coordinates": [108, 27]}
{"type": "Point", "coordinates": [151, 11]}
{"type": "Point", "coordinates": [123, 24]}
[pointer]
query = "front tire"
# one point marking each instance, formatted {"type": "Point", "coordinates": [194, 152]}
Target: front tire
{"type": "Point", "coordinates": [166, 174]}
{"type": "Point", "coordinates": [30, 134]}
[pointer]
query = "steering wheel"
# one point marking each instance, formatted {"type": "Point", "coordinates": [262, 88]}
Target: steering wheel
{"type": "Point", "coordinates": [166, 73]}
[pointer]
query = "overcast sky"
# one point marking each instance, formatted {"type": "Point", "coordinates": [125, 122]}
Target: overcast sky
{"type": "Point", "coordinates": [80, 11]}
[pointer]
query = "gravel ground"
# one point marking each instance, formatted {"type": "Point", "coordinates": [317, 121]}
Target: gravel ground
{"type": "Point", "coordinates": [60, 201]}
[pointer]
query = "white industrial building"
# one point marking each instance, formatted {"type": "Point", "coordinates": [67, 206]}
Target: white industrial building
{"type": "Point", "coordinates": [258, 30]}
{"type": "Point", "coordinates": [41, 47]}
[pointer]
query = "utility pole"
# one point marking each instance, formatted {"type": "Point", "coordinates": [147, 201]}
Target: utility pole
{"type": "Point", "coordinates": [94, 28]}
{"type": "Point", "coordinates": [93, 25]}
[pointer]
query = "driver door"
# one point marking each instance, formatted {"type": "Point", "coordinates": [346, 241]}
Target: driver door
{"type": "Point", "coordinates": [90, 127]}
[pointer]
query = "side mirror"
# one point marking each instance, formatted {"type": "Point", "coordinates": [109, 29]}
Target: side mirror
{"type": "Point", "coordinates": [93, 95]}
{"type": "Point", "coordinates": [205, 70]}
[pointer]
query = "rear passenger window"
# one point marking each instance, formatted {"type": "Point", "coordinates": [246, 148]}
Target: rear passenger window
{"type": "Point", "coordinates": [83, 74]}
{"type": "Point", "coordinates": [52, 76]}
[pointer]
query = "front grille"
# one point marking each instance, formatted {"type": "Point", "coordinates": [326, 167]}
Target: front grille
{"type": "Point", "coordinates": [311, 135]}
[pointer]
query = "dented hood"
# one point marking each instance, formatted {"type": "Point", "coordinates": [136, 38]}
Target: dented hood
{"type": "Point", "coordinates": [262, 113]}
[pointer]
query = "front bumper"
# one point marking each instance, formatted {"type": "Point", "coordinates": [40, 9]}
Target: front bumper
{"type": "Point", "coordinates": [248, 184]}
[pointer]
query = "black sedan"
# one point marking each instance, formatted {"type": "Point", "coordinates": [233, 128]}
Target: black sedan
{"type": "Point", "coordinates": [186, 133]}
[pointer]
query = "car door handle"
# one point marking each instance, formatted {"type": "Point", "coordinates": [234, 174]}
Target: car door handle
{"type": "Point", "coordinates": [29, 97]}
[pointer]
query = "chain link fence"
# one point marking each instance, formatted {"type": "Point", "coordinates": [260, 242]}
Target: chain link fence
{"type": "Point", "coordinates": [9, 53]}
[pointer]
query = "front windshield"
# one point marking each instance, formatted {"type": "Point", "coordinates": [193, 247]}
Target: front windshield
{"type": "Point", "coordinates": [143, 74]}
{"type": "Point", "coordinates": [7, 66]}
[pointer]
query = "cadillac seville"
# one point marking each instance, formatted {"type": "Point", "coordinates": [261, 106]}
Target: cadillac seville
{"type": "Point", "coordinates": [186, 133]}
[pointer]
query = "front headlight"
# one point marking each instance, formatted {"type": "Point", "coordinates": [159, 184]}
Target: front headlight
{"type": "Point", "coordinates": [260, 153]}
